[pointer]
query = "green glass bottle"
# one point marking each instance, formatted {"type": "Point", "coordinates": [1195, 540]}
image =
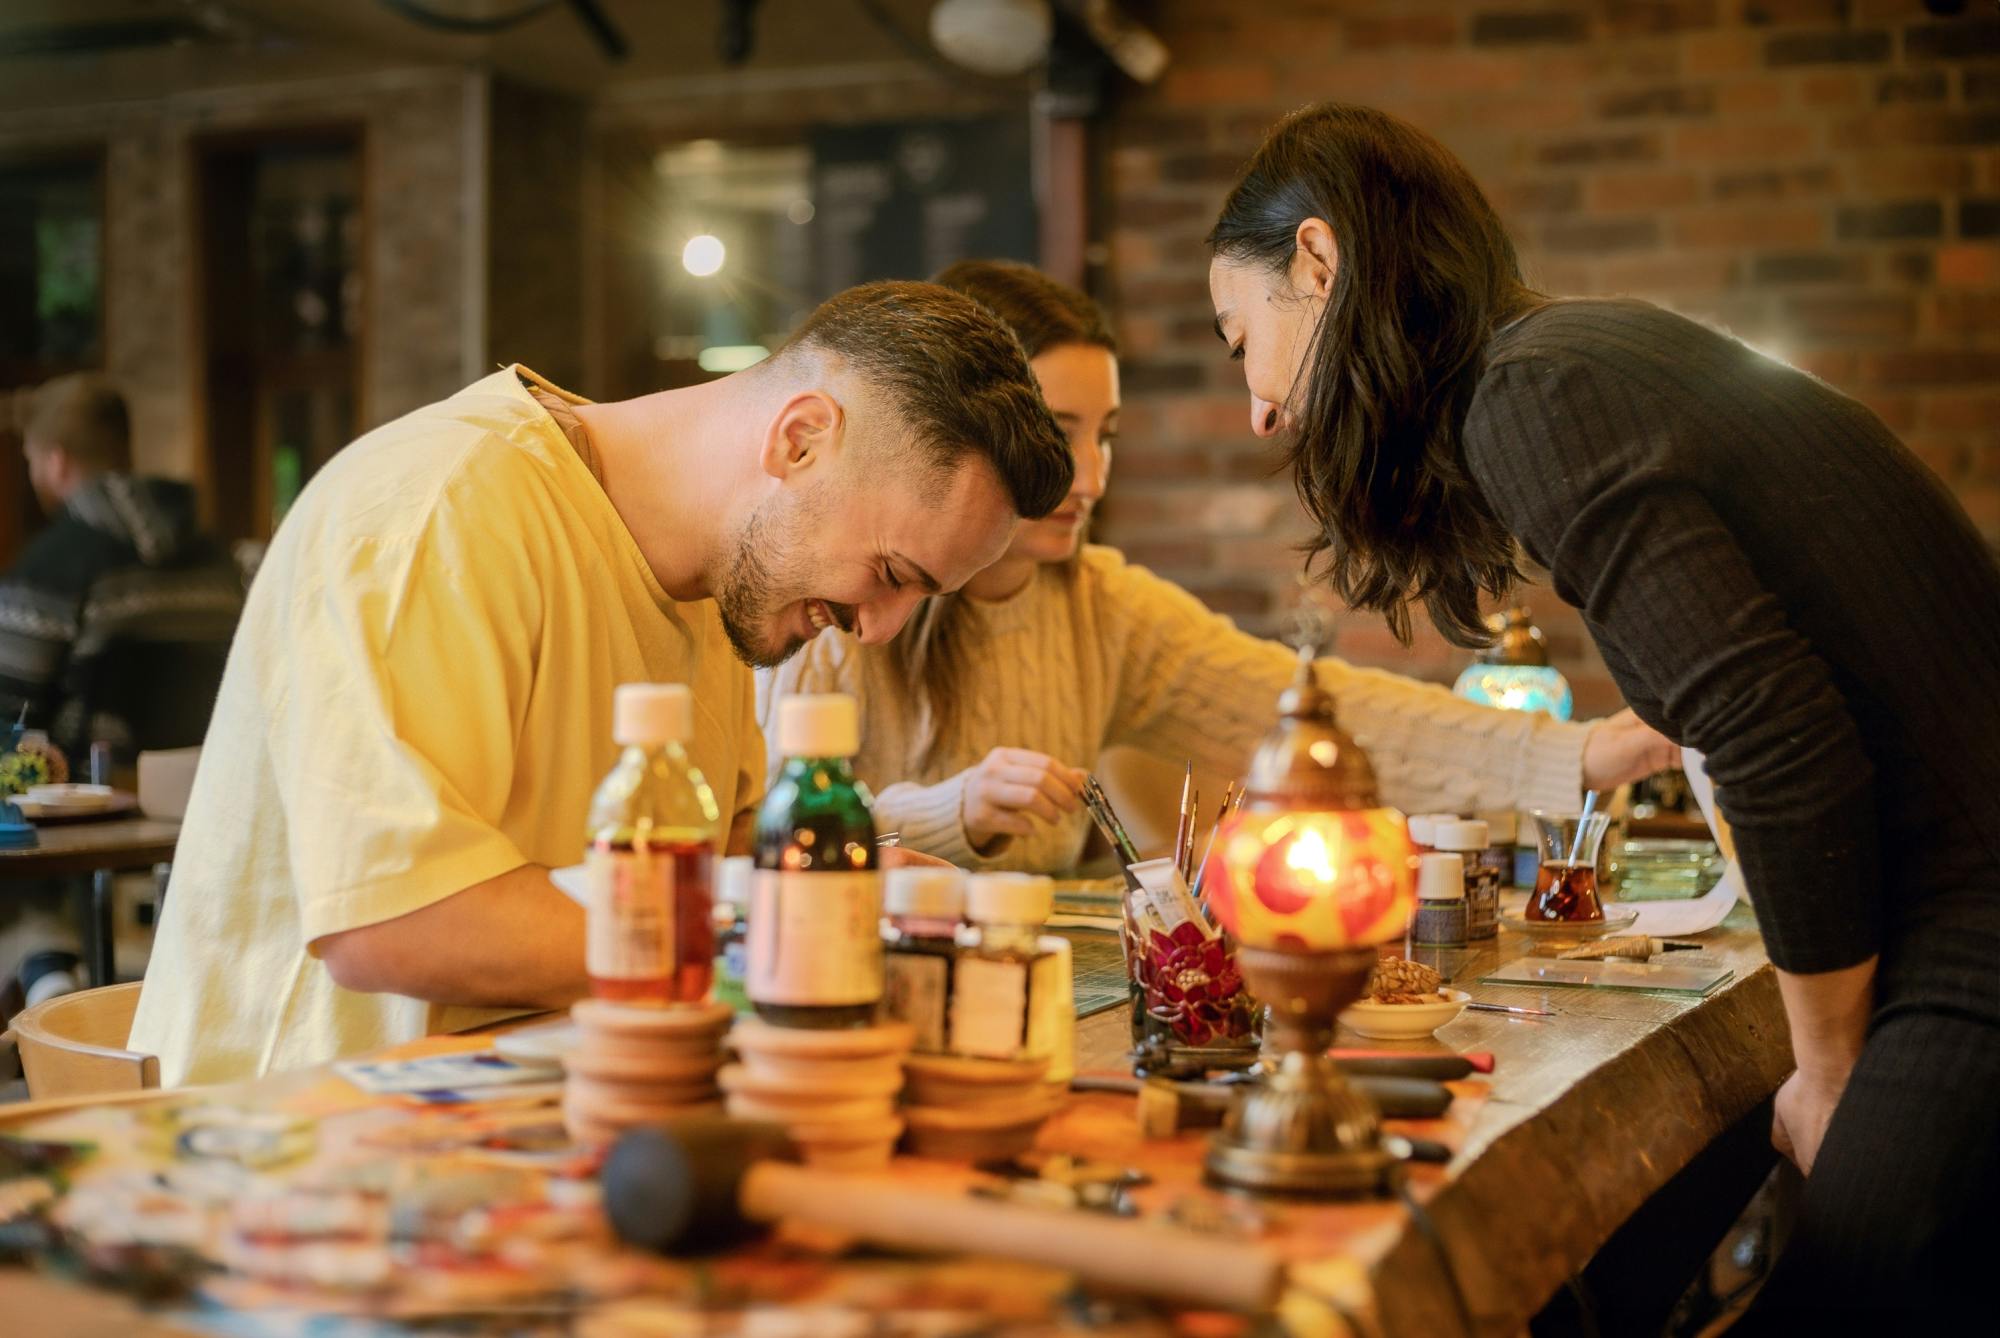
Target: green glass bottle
{"type": "Point", "coordinates": [815, 955]}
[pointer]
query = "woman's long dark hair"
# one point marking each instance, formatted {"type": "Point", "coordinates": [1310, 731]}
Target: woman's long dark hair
{"type": "Point", "coordinates": [1425, 273]}
{"type": "Point", "coordinates": [1043, 313]}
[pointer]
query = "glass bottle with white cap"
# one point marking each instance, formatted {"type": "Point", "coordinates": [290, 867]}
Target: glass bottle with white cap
{"type": "Point", "coordinates": [1467, 838]}
{"type": "Point", "coordinates": [653, 828]}
{"type": "Point", "coordinates": [925, 906]}
{"type": "Point", "coordinates": [815, 957]}
{"type": "Point", "coordinates": [1004, 993]}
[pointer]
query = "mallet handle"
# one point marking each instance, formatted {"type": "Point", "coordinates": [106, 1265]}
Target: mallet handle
{"type": "Point", "coordinates": [1156, 1261]}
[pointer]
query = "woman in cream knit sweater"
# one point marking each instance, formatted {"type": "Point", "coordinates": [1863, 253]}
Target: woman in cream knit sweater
{"type": "Point", "coordinates": [979, 722]}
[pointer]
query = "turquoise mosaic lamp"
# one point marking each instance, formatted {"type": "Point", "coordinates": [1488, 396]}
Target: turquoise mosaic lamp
{"type": "Point", "coordinates": [1514, 673]}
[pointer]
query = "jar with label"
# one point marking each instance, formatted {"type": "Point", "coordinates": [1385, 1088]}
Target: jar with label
{"type": "Point", "coordinates": [1004, 991]}
{"type": "Point", "coordinates": [649, 934]}
{"type": "Point", "coordinates": [733, 877]}
{"type": "Point", "coordinates": [815, 952]}
{"type": "Point", "coordinates": [1467, 839]}
{"type": "Point", "coordinates": [1501, 830]}
{"type": "Point", "coordinates": [1423, 830]}
{"type": "Point", "coordinates": [1440, 918]}
{"type": "Point", "coordinates": [924, 906]}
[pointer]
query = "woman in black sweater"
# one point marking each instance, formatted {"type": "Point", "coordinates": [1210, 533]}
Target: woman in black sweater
{"type": "Point", "coordinates": [1773, 579]}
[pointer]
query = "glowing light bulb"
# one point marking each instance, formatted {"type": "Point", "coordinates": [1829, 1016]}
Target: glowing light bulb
{"type": "Point", "coordinates": [703, 255]}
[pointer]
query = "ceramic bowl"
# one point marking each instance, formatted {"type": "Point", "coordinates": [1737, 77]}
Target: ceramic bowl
{"type": "Point", "coordinates": [1402, 1022]}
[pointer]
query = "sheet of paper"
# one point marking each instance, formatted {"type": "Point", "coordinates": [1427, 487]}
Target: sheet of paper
{"type": "Point", "coordinates": [573, 881]}
{"type": "Point", "coordinates": [1676, 919]}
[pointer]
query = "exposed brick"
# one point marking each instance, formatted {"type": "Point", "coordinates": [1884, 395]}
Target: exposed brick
{"type": "Point", "coordinates": [1372, 34]}
{"type": "Point", "coordinates": [1634, 17]}
{"type": "Point", "coordinates": [1601, 235]}
{"type": "Point", "coordinates": [1831, 88]}
{"type": "Point", "coordinates": [1615, 192]}
{"type": "Point", "coordinates": [1960, 411]}
{"type": "Point", "coordinates": [1795, 11]}
{"type": "Point", "coordinates": [1772, 183]}
{"type": "Point", "coordinates": [1524, 28]}
{"type": "Point", "coordinates": [1908, 172]}
{"type": "Point", "coordinates": [1724, 52]}
{"type": "Point", "coordinates": [1917, 125]}
{"type": "Point", "coordinates": [1911, 267]}
{"type": "Point", "coordinates": [1683, 100]}
{"type": "Point", "coordinates": [1791, 226]}
{"type": "Point", "coordinates": [1600, 149]}
{"type": "Point", "coordinates": [1914, 86]}
{"type": "Point", "coordinates": [1865, 315]}
{"type": "Point", "coordinates": [1808, 267]}
{"type": "Point", "coordinates": [1200, 166]}
{"type": "Point", "coordinates": [1210, 85]}
{"type": "Point", "coordinates": [1982, 85]}
{"type": "Point", "coordinates": [1959, 39]}
{"type": "Point", "coordinates": [1155, 212]}
{"type": "Point", "coordinates": [1835, 46]}
{"type": "Point", "coordinates": [1666, 276]}
{"type": "Point", "coordinates": [1739, 143]}
{"type": "Point", "coordinates": [1970, 265]}
{"type": "Point", "coordinates": [1933, 367]}
{"type": "Point", "coordinates": [1979, 218]}
{"type": "Point", "coordinates": [1890, 222]}
{"type": "Point", "coordinates": [1749, 97]}
{"type": "Point", "coordinates": [1466, 72]}
{"type": "Point", "coordinates": [1537, 197]}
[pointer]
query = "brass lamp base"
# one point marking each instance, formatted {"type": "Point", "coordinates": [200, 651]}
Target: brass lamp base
{"type": "Point", "coordinates": [1302, 1129]}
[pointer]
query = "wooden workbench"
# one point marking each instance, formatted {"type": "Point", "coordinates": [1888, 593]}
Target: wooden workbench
{"type": "Point", "coordinates": [1588, 1113]}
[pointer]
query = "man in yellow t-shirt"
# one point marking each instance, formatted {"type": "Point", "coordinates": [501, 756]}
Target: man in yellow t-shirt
{"type": "Point", "coordinates": [418, 701]}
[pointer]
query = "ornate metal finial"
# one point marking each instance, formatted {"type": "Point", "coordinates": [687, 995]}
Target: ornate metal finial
{"type": "Point", "coordinates": [1518, 640]}
{"type": "Point", "coordinates": [1308, 761]}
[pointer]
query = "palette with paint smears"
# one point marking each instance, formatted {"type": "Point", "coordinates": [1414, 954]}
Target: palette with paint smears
{"type": "Point", "coordinates": [635, 1064]}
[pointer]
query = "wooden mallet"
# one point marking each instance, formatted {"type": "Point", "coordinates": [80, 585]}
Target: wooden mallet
{"type": "Point", "coordinates": [700, 1185]}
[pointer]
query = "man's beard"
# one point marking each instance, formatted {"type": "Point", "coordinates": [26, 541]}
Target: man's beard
{"type": "Point", "coordinates": [746, 599]}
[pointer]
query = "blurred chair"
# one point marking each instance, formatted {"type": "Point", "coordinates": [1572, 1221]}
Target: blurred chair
{"type": "Point", "coordinates": [162, 691]}
{"type": "Point", "coordinates": [75, 1045]}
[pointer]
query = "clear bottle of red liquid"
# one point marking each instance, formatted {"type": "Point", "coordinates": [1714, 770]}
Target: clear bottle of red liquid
{"type": "Point", "coordinates": [653, 828]}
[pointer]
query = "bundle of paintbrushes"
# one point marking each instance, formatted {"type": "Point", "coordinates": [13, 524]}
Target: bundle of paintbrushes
{"type": "Point", "coordinates": [1106, 818]}
{"type": "Point", "coordinates": [1183, 968]}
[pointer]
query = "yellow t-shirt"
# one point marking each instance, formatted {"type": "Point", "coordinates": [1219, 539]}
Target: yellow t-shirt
{"type": "Point", "coordinates": [418, 698]}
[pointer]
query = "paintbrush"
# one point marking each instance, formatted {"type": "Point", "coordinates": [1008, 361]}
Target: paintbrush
{"type": "Point", "coordinates": [1184, 829]}
{"type": "Point", "coordinates": [1095, 800]}
{"type": "Point", "coordinates": [1229, 795]}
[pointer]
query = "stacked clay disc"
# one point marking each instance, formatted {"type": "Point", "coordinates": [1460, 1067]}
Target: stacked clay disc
{"type": "Point", "coordinates": [833, 1091]}
{"type": "Point", "coordinates": [636, 1064]}
{"type": "Point", "coordinates": [960, 1109]}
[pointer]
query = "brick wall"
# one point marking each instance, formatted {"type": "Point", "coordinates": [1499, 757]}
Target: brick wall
{"type": "Point", "coordinates": [414, 187]}
{"type": "Point", "coordinates": [1820, 177]}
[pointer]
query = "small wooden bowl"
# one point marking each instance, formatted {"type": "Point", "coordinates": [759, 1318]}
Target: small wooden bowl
{"type": "Point", "coordinates": [737, 1079]}
{"type": "Point", "coordinates": [752, 1037]}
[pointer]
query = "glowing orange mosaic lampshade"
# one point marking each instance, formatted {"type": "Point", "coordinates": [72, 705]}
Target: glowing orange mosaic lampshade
{"type": "Point", "coordinates": [1312, 881]}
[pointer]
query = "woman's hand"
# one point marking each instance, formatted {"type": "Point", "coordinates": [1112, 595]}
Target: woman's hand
{"type": "Point", "coordinates": [1800, 1114]}
{"type": "Point", "coordinates": [1623, 748]}
{"type": "Point", "coordinates": [902, 857]}
{"type": "Point", "coordinates": [1010, 789]}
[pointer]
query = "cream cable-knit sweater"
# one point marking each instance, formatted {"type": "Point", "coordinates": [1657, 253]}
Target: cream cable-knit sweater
{"type": "Point", "coordinates": [1099, 652]}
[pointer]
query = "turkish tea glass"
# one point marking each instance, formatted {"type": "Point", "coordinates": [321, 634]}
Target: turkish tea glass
{"type": "Point", "coordinates": [1566, 882]}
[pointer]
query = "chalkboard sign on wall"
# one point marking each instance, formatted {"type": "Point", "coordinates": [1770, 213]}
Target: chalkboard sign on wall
{"type": "Point", "coordinates": [904, 200]}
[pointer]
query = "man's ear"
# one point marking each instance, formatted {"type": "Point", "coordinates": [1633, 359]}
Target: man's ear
{"type": "Point", "coordinates": [806, 431]}
{"type": "Point", "coordinates": [1317, 259]}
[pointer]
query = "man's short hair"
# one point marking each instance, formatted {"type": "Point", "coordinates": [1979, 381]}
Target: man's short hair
{"type": "Point", "coordinates": [957, 378]}
{"type": "Point", "coordinates": [84, 415]}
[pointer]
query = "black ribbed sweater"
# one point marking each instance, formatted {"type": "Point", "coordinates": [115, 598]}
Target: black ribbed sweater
{"type": "Point", "coordinates": [1778, 582]}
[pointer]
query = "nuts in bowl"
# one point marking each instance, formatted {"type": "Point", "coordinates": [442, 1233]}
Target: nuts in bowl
{"type": "Point", "coordinates": [1405, 1000]}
